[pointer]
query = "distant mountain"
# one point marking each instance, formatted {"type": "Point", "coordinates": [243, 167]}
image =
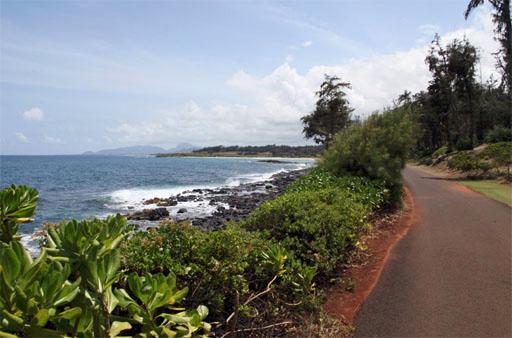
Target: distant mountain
{"type": "Point", "coordinates": [128, 151]}
{"type": "Point", "coordinates": [142, 150]}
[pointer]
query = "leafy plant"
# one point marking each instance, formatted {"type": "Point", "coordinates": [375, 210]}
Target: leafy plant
{"type": "Point", "coordinates": [218, 263]}
{"type": "Point", "coordinates": [499, 154]}
{"type": "Point", "coordinates": [153, 308]}
{"type": "Point", "coordinates": [440, 152]}
{"type": "Point", "coordinates": [467, 161]}
{"type": "Point", "coordinates": [35, 294]}
{"type": "Point", "coordinates": [318, 227]}
{"type": "Point", "coordinates": [17, 205]}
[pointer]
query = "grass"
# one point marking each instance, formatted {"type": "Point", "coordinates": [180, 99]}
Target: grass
{"type": "Point", "coordinates": [493, 189]}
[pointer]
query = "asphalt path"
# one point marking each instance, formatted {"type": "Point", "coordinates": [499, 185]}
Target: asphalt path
{"type": "Point", "coordinates": [451, 275]}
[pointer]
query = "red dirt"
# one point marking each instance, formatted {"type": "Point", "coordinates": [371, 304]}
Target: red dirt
{"type": "Point", "coordinates": [463, 189]}
{"type": "Point", "coordinates": [343, 304]}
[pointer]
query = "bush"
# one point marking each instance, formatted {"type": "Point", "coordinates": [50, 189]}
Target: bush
{"type": "Point", "coordinates": [499, 155]}
{"type": "Point", "coordinates": [216, 264]}
{"type": "Point", "coordinates": [466, 161]}
{"type": "Point", "coordinates": [317, 227]}
{"type": "Point", "coordinates": [499, 134]}
{"type": "Point", "coordinates": [440, 152]}
{"type": "Point", "coordinates": [371, 193]}
{"type": "Point", "coordinates": [376, 148]}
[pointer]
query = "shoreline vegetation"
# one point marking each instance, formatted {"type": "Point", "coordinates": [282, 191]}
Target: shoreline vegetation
{"type": "Point", "coordinates": [274, 151]}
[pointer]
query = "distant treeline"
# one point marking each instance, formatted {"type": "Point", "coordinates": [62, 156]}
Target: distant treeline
{"type": "Point", "coordinates": [273, 150]}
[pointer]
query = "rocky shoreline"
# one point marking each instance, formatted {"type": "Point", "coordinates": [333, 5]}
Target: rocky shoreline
{"type": "Point", "coordinates": [210, 209]}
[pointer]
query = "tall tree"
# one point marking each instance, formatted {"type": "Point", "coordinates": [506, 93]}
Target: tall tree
{"type": "Point", "coordinates": [440, 92]}
{"type": "Point", "coordinates": [503, 30]}
{"type": "Point", "coordinates": [452, 92]}
{"type": "Point", "coordinates": [462, 60]}
{"type": "Point", "coordinates": [332, 112]}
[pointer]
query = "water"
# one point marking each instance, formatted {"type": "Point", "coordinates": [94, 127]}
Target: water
{"type": "Point", "coordinates": [78, 187]}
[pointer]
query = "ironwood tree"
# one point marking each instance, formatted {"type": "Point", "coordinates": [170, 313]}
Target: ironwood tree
{"type": "Point", "coordinates": [332, 112]}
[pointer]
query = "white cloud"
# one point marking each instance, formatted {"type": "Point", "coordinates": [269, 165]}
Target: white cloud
{"type": "Point", "coordinates": [307, 43]}
{"type": "Point", "coordinates": [289, 58]}
{"type": "Point", "coordinates": [376, 81]}
{"type": "Point", "coordinates": [270, 105]}
{"type": "Point", "coordinates": [33, 114]}
{"type": "Point", "coordinates": [21, 137]}
{"type": "Point", "coordinates": [51, 140]}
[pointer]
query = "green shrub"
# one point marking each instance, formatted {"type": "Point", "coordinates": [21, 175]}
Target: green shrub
{"type": "Point", "coordinates": [499, 155]}
{"type": "Point", "coordinates": [17, 205]}
{"type": "Point", "coordinates": [372, 193]}
{"type": "Point", "coordinates": [376, 148]}
{"type": "Point", "coordinates": [35, 296]}
{"type": "Point", "coordinates": [217, 264]}
{"type": "Point", "coordinates": [440, 152]}
{"type": "Point", "coordinates": [499, 134]}
{"type": "Point", "coordinates": [467, 161]}
{"type": "Point", "coordinates": [318, 227]}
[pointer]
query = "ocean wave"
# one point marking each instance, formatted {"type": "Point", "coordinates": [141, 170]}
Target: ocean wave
{"type": "Point", "coordinates": [252, 178]}
{"type": "Point", "coordinates": [133, 198]}
{"type": "Point", "coordinates": [123, 198]}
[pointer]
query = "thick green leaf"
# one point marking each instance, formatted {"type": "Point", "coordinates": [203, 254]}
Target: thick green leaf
{"type": "Point", "coordinates": [117, 327]}
{"type": "Point", "coordinates": [41, 318]}
{"type": "Point", "coordinates": [7, 335]}
{"type": "Point", "coordinates": [72, 313]}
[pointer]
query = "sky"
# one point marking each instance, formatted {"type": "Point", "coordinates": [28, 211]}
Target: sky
{"type": "Point", "coordinates": [89, 75]}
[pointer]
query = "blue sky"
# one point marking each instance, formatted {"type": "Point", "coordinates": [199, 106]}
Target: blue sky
{"type": "Point", "coordinates": [87, 75]}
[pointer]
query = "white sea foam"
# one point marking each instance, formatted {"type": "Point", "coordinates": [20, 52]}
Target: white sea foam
{"type": "Point", "coordinates": [251, 178]}
{"type": "Point", "coordinates": [30, 242]}
{"type": "Point", "coordinates": [122, 199]}
{"type": "Point", "coordinates": [125, 199]}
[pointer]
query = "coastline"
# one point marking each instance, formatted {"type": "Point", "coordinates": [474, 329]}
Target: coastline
{"type": "Point", "coordinates": [225, 155]}
{"type": "Point", "coordinates": [211, 208]}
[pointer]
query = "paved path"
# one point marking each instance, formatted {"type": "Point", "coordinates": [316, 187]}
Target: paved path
{"type": "Point", "coordinates": [451, 275]}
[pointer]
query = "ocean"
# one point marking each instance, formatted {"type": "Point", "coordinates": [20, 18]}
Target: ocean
{"type": "Point", "coordinates": [79, 187]}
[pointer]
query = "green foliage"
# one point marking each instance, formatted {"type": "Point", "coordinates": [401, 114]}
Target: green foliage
{"type": "Point", "coordinates": [467, 161]}
{"type": "Point", "coordinates": [440, 152]}
{"type": "Point", "coordinates": [495, 156]}
{"type": "Point", "coordinates": [318, 227]}
{"type": "Point", "coordinates": [35, 296]}
{"type": "Point", "coordinates": [376, 148]}
{"type": "Point", "coordinates": [332, 112]}
{"type": "Point", "coordinates": [371, 193]}
{"type": "Point", "coordinates": [75, 287]}
{"type": "Point", "coordinates": [498, 134]}
{"type": "Point", "coordinates": [17, 205]}
{"type": "Point", "coordinates": [499, 155]}
{"type": "Point", "coordinates": [219, 263]}
{"type": "Point", "coordinates": [272, 149]}
{"type": "Point", "coordinates": [152, 309]}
